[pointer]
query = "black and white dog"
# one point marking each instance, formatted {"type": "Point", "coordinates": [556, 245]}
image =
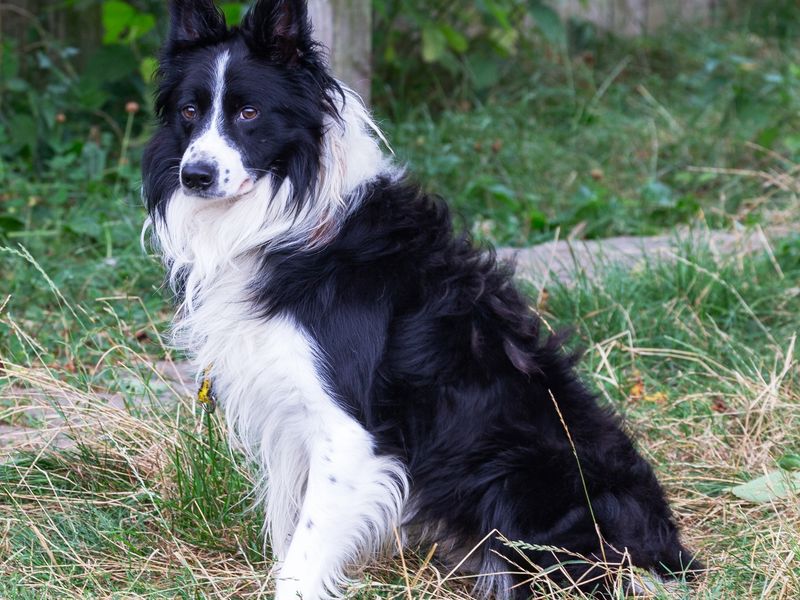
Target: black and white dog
{"type": "Point", "coordinates": [383, 374]}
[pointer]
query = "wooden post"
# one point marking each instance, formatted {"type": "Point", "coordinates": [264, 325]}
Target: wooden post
{"type": "Point", "coordinates": [638, 17]}
{"type": "Point", "coordinates": [345, 28]}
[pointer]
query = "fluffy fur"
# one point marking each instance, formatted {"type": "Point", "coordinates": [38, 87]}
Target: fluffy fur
{"type": "Point", "coordinates": [380, 372]}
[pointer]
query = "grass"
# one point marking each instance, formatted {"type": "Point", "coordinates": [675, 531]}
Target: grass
{"type": "Point", "coordinates": [145, 498]}
{"type": "Point", "coordinates": [614, 140]}
{"type": "Point", "coordinates": [127, 490]}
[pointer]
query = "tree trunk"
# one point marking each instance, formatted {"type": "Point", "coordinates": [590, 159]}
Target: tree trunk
{"type": "Point", "coordinates": [345, 28]}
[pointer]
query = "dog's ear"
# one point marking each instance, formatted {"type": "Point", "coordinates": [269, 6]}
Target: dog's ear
{"type": "Point", "coordinates": [195, 21]}
{"type": "Point", "coordinates": [279, 29]}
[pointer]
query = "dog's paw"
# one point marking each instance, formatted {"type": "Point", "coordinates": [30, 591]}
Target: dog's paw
{"type": "Point", "coordinates": [288, 589]}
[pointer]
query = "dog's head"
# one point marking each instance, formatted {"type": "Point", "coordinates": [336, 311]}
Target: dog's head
{"type": "Point", "coordinates": [238, 104]}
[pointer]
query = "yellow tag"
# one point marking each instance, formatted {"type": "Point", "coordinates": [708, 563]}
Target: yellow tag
{"type": "Point", "coordinates": [205, 393]}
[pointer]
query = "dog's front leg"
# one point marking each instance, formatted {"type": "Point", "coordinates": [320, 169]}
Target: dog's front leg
{"type": "Point", "coordinates": [352, 504]}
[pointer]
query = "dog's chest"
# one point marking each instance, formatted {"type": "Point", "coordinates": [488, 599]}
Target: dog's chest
{"type": "Point", "coordinates": [266, 375]}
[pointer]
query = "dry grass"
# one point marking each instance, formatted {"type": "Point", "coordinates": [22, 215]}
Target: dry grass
{"type": "Point", "coordinates": [112, 484]}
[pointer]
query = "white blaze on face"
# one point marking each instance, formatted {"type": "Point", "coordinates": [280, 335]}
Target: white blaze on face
{"type": "Point", "coordinates": [211, 147]}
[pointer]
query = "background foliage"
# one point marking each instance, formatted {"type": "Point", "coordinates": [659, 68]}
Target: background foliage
{"type": "Point", "coordinates": [532, 126]}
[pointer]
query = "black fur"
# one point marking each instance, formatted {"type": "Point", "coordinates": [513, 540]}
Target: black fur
{"type": "Point", "coordinates": [427, 341]}
{"type": "Point", "coordinates": [429, 344]}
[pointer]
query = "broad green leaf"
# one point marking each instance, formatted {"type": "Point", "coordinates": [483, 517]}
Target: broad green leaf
{"type": "Point", "coordinates": [775, 485]}
{"type": "Point", "coordinates": [502, 192]}
{"type": "Point", "coordinates": [116, 17]}
{"type": "Point", "coordinates": [15, 84]}
{"type": "Point", "coordinates": [87, 225]}
{"type": "Point", "coordinates": [485, 69]}
{"type": "Point", "coordinates": [23, 131]}
{"type": "Point", "coordinates": [94, 161]}
{"type": "Point", "coordinates": [141, 25]}
{"type": "Point", "coordinates": [121, 18]}
{"type": "Point", "coordinates": [9, 61]}
{"type": "Point", "coordinates": [456, 40]}
{"type": "Point", "coordinates": [505, 40]}
{"type": "Point", "coordinates": [233, 11]}
{"type": "Point", "coordinates": [148, 68]}
{"type": "Point", "coordinates": [658, 193]}
{"type": "Point", "coordinates": [790, 462]}
{"type": "Point", "coordinates": [537, 219]}
{"type": "Point", "coordinates": [500, 12]}
{"type": "Point", "coordinates": [548, 21]}
{"type": "Point", "coordinates": [8, 224]}
{"type": "Point", "coordinates": [434, 43]}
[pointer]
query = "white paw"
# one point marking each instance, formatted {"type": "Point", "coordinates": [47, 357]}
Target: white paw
{"type": "Point", "coordinates": [287, 589]}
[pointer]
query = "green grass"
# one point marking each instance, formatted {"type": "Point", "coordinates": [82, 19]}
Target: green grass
{"type": "Point", "coordinates": [699, 356]}
{"type": "Point", "coordinates": [623, 138]}
{"type": "Point", "coordinates": [138, 493]}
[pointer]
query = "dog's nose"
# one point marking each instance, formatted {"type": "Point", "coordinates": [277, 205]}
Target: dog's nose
{"type": "Point", "coordinates": [198, 176]}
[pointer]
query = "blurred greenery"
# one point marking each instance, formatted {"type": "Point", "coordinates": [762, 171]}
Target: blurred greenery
{"type": "Point", "coordinates": [531, 125]}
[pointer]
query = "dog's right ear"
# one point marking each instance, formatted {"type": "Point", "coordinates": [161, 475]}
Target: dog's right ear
{"type": "Point", "coordinates": [193, 21]}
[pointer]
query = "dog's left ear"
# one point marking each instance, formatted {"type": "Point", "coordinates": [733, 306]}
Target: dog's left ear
{"type": "Point", "coordinates": [195, 20]}
{"type": "Point", "coordinates": [280, 29]}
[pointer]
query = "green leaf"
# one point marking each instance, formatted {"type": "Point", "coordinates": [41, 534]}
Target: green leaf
{"type": "Point", "coordinates": [434, 43]}
{"type": "Point", "coordinates": [790, 462]}
{"type": "Point", "coordinates": [537, 219]}
{"type": "Point", "coordinates": [110, 64]}
{"type": "Point", "coordinates": [233, 11]}
{"type": "Point", "coordinates": [23, 131]}
{"type": "Point", "coordinates": [503, 193]}
{"type": "Point", "coordinates": [141, 26]}
{"type": "Point", "coordinates": [454, 39]}
{"type": "Point", "coordinates": [548, 21]}
{"type": "Point", "coordinates": [94, 161]}
{"type": "Point", "coordinates": [148, 68]}
{"type": "Point", "coordinates": [775, 485]}
{"type": "Point", "coordinates": [485, 69]}
{"type": "Point", "coordinates": [86, 225]}
{"type": "Point", "coordinates": [658, 193]}
{"type": "Point", "coordinates": [121, 18]}
{"type": "Point", "coordinates": [500, 12]}
{"type": "Point", "coordinates": [15, 84]}
{"type": "Point", "coordinates": [8, 224]}
{"type": "Point", "coordinates": [116, 16]}
{"type": "Point", "coordinates": [9, 61]}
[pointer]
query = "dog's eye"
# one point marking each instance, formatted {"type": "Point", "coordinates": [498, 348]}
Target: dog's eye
{"type": "Point", "coordinates": [248, 113]}
{"type": "Point", "coordinates": [189, 112]}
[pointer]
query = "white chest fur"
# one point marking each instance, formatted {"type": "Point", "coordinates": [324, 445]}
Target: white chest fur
{"type": "Point", "coordinates": [328, 497]}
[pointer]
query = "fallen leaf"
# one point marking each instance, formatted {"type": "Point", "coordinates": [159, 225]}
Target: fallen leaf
{"type": "Point", "coordinates": [637, 391]}
{"type": "Point", "coordinates": [775, 485]}
{"type": "Point", "coordinates": [718, 405]}
{"type": "Point", "coordinates": [658, 398]}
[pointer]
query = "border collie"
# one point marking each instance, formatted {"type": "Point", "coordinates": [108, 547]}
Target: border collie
{"type": "Point", "coordinates": [385, 376]}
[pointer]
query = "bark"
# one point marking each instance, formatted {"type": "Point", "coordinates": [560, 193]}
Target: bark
{"type": "Point", "coordinates": [637, 17]}
{"type": "Point", "coordinates": [345, 28]}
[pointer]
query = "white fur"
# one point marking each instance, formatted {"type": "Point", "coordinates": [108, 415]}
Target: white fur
{"type": "Point", "coordinates": [212, 147]}
{"type": "Point", "coordinates": [330, 499]}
